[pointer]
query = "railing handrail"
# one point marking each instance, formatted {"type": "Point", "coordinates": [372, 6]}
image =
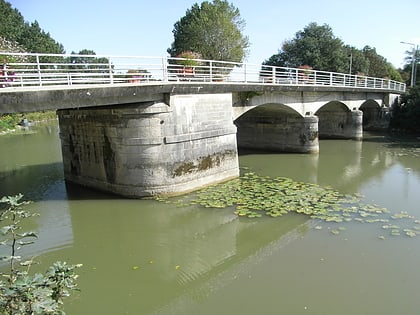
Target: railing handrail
{"type": "Point", "coordinates": [48, 70]}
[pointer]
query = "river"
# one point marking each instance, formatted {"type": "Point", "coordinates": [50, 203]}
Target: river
{"type": "Point", "coordinates": [149, 257]}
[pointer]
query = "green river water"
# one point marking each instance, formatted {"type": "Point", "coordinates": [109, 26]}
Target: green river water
{"type": "Point", "coordinates": [149, 257]}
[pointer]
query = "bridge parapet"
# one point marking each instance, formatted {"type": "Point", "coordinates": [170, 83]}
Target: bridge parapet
{"type": "Point", "coordinates": [53, 70]}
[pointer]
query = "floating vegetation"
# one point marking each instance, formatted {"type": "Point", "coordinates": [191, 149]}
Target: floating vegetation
{"type": "Point", "coordinates": [253, 196]}
{"type": "Point", "coordinates": [402, 215]}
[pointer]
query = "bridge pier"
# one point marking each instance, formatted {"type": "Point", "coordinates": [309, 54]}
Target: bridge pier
{"type": "Point", "coordinates": [341, 124]}
{"type": "Point", "coordinates": [282, 133]}
{"type": "Point", "coordinates": [144, 149]}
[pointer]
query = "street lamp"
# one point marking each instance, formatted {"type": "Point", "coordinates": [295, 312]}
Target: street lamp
{"type": "Point", "coordinates": [413, 63]}
{"type": "Point", "coordinates": [351, 61]}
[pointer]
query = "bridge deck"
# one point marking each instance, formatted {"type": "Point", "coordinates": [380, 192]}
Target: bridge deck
{"type": "Point", "coordinates": [35, 82]}
{"type": "Point", "coordinates": [30, 99]}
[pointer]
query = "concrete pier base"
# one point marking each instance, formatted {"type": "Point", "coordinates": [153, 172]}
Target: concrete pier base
{"type": "Point", "coordinates": [281, 134]}
{"type": "Point", "coordinates": [341, 125]}
{"type": "Point", "coordinates": [153, 148]}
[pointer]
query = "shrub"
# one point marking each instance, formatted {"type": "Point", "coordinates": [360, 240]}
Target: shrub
{"type": "Point", "coordinates": [21, 292]}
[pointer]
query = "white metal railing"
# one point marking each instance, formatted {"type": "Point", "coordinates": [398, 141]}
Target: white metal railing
{"type": "Point", "coordinates": [29, 70]}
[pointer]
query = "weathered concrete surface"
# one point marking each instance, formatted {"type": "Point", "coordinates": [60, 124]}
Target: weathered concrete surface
{"type": "Point", "coordinates": [167, 137]}
{"type": "Point", "coordinates": [150, 148]}
{"type": "Point", "coordinates": [19, 100]}
{"type": "Point", "coordinates": [336, 121]}
{"type": "Point", "coordinates": [305, 101]}
{"type": "Point", "coordinates": [270, 128]}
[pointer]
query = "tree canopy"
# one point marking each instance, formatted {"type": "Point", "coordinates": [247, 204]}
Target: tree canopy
{"type": "Point", "coordinates": [212, 29]}
{"type": "Point", "coordinates": [318, 47]}
{"type": "Point", "coordinates": [406, 70]}
{"type": "Point", "coordinates": [30, 36]}
{"type": "Point", "coordinates": [406, 114]}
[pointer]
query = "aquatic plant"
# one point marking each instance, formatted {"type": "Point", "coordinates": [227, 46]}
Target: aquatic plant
{"type": "Point", "coordinates": [253, 196]}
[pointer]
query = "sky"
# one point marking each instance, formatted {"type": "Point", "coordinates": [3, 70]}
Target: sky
{"type": "Point", "coordinates": [144, 27]}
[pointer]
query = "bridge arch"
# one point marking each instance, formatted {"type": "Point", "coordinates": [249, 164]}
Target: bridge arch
{"type": "Point", "coordinates": [269, 110]}
{"type": "Point", "coordinates": [277, 127]}
{"type": "Point", "coordinates": [374, 115]}
{"type": "Point", "coordinates": [337, 120]}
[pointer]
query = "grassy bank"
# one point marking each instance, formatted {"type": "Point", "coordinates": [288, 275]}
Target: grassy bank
{"type": "Point", "coordinates": [9, 122]}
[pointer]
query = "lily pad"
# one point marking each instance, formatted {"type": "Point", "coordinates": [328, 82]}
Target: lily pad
{"type": "Point", "coordinates": [253, 196]}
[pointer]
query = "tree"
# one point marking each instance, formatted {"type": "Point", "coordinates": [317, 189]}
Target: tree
{"type": "Point", "coordinates": [358, 62]}
{"type": "Point", "coordinates": [406, 70]}
{"type": "Point", "coordinates": [12, 22]}
{"type": "Point", "coordinates": [318, 47]}
{"type": "Point", "coordinates": [315, 46]}
{"type": "Point", "coordinates": [38, 41]}
{"type": "Point", "coordinates": [212, 29]}
{"type": "Point", "coordinates": [88, 61]}
{"type": "Point", "coordinates": [30, 36]}
{"type": "Point", "coordinates": [406, 114]}
{"type": "Point", "coordinates": [377, 64]}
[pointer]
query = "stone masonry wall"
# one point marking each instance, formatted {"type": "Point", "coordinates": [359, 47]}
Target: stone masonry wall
{"type": "Point", "coordinates": [145, 149]}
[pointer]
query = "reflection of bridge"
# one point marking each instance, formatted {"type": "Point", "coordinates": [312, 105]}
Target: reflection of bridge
{"type": "Point", "coordinates": [140, 126]}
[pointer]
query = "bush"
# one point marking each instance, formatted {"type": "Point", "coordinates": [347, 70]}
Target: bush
{"type": "Point", "coordinates": [9, 121]}
{"type": "Point", "coordinates": [406, 114]}
{"type": "Point", "coordinates": [21, 292]}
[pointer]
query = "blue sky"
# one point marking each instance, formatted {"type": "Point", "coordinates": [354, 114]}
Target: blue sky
{"type": "Point", "coordinates": [140, 27]}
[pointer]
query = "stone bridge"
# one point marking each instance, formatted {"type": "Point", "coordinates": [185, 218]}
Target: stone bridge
{"type": "Point", "coordinates": [173, 135]}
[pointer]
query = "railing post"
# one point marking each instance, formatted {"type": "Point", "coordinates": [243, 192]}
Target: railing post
{"type": "Point", "coordinates": [273, 74]}
{"type": "Point", "coordinates": [38, 66]}
{"type": "Point", "coordinates": [212, 72]}
{"type": "Point", "coordinates": [165, 77]}
{"type": "Point", "coordinates": [111, 75]}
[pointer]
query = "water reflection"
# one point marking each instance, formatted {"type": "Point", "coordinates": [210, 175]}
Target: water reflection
{"type": "Point", "coordinates": [31, 163]}
{"type": "Point", "coordinates": [142, 257]}
{"type": "Point", "coordinates": [162, 251]}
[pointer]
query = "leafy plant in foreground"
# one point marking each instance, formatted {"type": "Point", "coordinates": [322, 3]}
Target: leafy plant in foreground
{"type": "Point", "coordinates": [21, 292]}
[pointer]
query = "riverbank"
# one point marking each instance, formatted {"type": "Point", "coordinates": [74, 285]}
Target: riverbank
{"type": "Point", "coordinates": [9, 123]}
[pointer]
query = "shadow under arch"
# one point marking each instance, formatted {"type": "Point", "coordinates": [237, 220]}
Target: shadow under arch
{"type": "Point", "coordinates": [277, 127]}
{"type": "Point", "coordinates": [337, 121]}
{"type": "Point", "coordinates": [375, 117]}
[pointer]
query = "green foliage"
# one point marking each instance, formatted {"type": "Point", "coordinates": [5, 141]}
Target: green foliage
{"type": "Point", "coordinates": [21, 292]}
{"type": "Point", "coordinates": [406, 114]}
{"type": "Point", "coordinates": [212, 29]}
{"type": "Point", "coordinates": [189, 59]}
{"type": "Point", "coordinates": [377, 65]}
{"type": "Point", "coordinates": [406, 70]}
{"type": "Point", "coordinates": [28, 35]}
{"type": "Point", "coordinates": [9, 121]}
{"type": "Point", "coordinates": [318, 47]}
{"type": "Point", "coordinates": [88, 61]}
{"type": "Point", "coordinates": [359, 64]}
{"type": "Point", "coordinates": [12, 23]}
